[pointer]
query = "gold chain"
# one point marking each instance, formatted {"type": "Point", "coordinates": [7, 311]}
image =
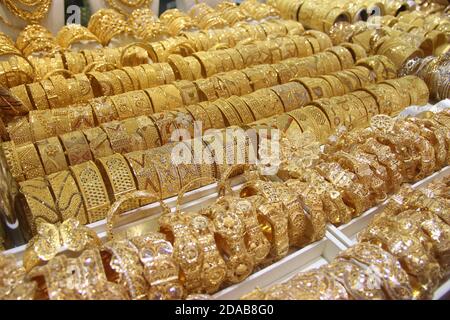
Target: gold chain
{"type": "Point", "coordinates": [35, 15]}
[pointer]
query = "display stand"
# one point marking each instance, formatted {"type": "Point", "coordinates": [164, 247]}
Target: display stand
{"type": "Point", "coordinates": [96, 5]}
{"type": "Point", "coordinates": [53, 22]}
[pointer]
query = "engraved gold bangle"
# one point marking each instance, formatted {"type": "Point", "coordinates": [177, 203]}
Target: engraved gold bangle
{"type": "Point", "coordinates": [118, 137]}
{"type": "Point", "coordinates": [38, 96]}
{"type": "Point", "coordinates": [104, 110]}
{"type": "Point", "coordinates": [167, 172]}
{"type": "Point", "coordinates": [40, 204]}
{"type": "Point", "coordinates": [98, 142]}
{"type": "Point", "coordinates": [93, 190]}
{"type": "Point", "coordinates": [119, 179]}
{"type": "Point", "coordinates": [140, 103]}
{"type": "Point", "coordinates": [76, 147]}
{"type": "Point", "coordinates": [20, 92]}
{"type": "Point", "coordinates": [52, 155]}
{"type": "Point", "coordinates": [229, 113]}
{"type": "Point", "coordinates": [188, 92]}
{"type": "Point", "coordinates": [205, 90]}
{"type": "Point", "coordinates": [12, 159]}
{"type": "Point", "coordinates": [68, 198]}
{"type": "Point", "coordinates": [200, 116]}
{"type": "Point", "coordinates": [30, 161]}
{"type": "Point", "coordinates": [293, 95]}
{"type": "Point", "coordinates": [242, 109]}
{"type": "Point", "coordinates": [217, 120]}
{"type": "Point", "coordinates": [18, 130]}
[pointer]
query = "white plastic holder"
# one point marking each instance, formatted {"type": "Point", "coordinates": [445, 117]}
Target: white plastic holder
{"type": "Point", "coordinates": [310, 257]}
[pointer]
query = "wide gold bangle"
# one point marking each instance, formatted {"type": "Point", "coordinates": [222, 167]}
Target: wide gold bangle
{"type": "Point", "coordinates": [62, 90]}
{"type": "Point", "coordinates": [40, 204]}
{"type": "Point", "coordinates": [312, 118]}
{"type": "Point", "coordinates": [205, 90]}
{"type": "Point", "coordinates": [18, 130]}
{"type": "Point", "coordinates": [188, 92]}
{"type": "Point", "coordinates": [38, 96]}
{"type": "Point", "coordinates": [154, 75]}
{"type": "Point", "coordinates": [12, 159]}
{"type": "Point", "coordinates": [93, 190]}
{"type": "Point", "coordinates": [29, 161]}
{"type": "Point", "coordinates": [317, 87]}
{"type": "Point", "coordinates": [167, 171]}
{"type": "Point", "coordinates": [117, 136]}
{"type": "Point", "coordinates": [293, 95]}
{"type": "Point", "coordinates": [98, 142]}
{"type": "Point", "coordinates": [124, 80]}
{"type": "Point", "coordinates": [304, 47]}
{"type": "Point", "coordinates": [103, 110]}
{"type": "Point", "coordinates": [68, 198]}
{"type": "Point", "coordinates": [229, 113]}
{"type": "Point", "coordinates": [344, 55]}
{"type": "Point", "coordinates": [76, 147]}
{"type": "Point", "coordinates": [335, 84]}
{"type": "Point", "coordinates": [180, 67]}
{"type": "Point", "coordinates": [200, 117]}
{"type": "Point", "coordinates": [119, 179]}
{"type": "Point", "coordinates": [216, 117]}
{"type": "Point", "coordinates": [52, 155]}
{"type": "Point", "coordinates": [20, 92]}
{"type": "Point", "coordinates": [242, 109]}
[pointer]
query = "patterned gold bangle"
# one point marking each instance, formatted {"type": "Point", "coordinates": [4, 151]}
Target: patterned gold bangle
{"type": "Point", "coordinates": [18, 130]}
{"type": "Point", "coordinates": [369, 102]}
{"type": "Point", "coordinates": [188, 92]}
{"type": "Point", "coordinates": [173, 96]}
{"type": "Point", "coordinates": [118, 136]}
{"type": "Point", "coordinates": [41, 124]}
{"type": "Point", "coordinates": [30, 161]}
{"type": "Point", "coordinates": [104, 110]}
{"type": "Point", "coordinates": [242, 109]}
{"type": "Point", "coordinates": [52, 155]}
{"type": "Point", "coordinates": [68, 198]}
{"type": "Point", "coordinates": [20, 92]}
{"type": "Point", "coordinates": [98, 142]}
{"type": "Point", "coordinates": [344, 55]}
{"type": "Point", "coordinates": [167, 72]}
{"type": "Point", "coordinates": [79, 118]}
{"type": "Point", "coordinates": [119, 179]}
{"type": "Point", "coordinates": [140, 75]}
{"type": "Point", "coordinates": [200, 117]}
{"type": "Point", "coordinates": [158, 99]}
{"type": "Point", "coordinates": [40, 204]}
{"type": "Point", "coordinates": [38, 96]}
{"type": "Point", "coordinates": [12, 159]}
{"type": "Point", "coordinates": [123, 106]}
{"type": "Point", "coordinates": [335, 84]}
{"type": "Point", "coordinates": [133, 130]}
{"type": "Point", "coordinates": [133, 75]}
{"type": "Point", "coordinates": [154, 74]}
{"type": "Point", "coordinates": [180, 67]}
{"type": "Point", "coordinates": [270, 101]}
{"type": "Point", "coordinates": [167, 172]}
{"type": "Point", "coordinates": [317, 87]}
{"type": "Point", "coordinates": [93, 190]}
{"type": "Point", "coordinates": [231, 116]}
{"type": "Point", "coordinates": [312, 118]}
{"type": "Point", "coordinates": [144, 172]}
{"type": "Point", "coordinates": [194, 66]}
{"type": "Point", "coordinates": [124, 79]}
{"type": "Point", "coordinates": [140, 102]}
{"type": "Point", "coordinates": [217, 120]}
{"type": "Point", "coordinates": [205, 90]}
{"type": "Point", "coordinates": [62, 90]}
{"type": "Point", "coordinates": [102, 84]}
{"type": "Point", "coordinates": [348, 79]}
{"type": "Point", "coordinates": [52, 95]}
{"type": "Point", "coordinates": [76, 147]}
{"type": "Point", "coordinates": [293, 95]}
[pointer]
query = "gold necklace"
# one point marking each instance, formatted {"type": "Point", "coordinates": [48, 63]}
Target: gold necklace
{"type": "Point", "coordinates": [127, 3]}
{"type": "Point", "coordinates": [38, 9]}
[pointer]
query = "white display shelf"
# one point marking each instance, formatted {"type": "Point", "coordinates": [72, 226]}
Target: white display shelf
{"type": "Point", "coordinates": [310, 257]}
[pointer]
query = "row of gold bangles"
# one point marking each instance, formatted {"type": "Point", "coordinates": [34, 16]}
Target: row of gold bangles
{"type": "Point", "coordinates": [164, 92]}
{"type": "Point", "coordinates": [99, 144]}
{"type": "Point", "coordinates": [82, 87]}
{"type": "Point", "coordinates": [412, 227]}
{"type": "Point", "coordinates": [142, 129]}
{"type": "Point", "coordinates": [208, 247]}
{"type": "Point", "coordinates": [19, 71]}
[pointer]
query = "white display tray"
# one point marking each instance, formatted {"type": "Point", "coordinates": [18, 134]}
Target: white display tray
{"type": "Point", "coordinates": [310, 257]}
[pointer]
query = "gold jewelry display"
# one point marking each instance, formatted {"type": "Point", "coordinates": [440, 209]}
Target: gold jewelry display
{"type": "Point", "coordinates": [52, 155]}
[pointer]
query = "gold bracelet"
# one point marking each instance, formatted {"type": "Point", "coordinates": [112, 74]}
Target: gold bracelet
{"type": "Point", "coordinates": [200, 117]}
{"type": "Point", "coordinates": [68, 198]}
{"type": "Point", "coordinates": [188, 92]}
{"type": "Point", "coordinates": [18, 130]}
{"type": "Point", "coordinates": [205, 89]}
{"type": "Point", "coordinates": [194, 66]}
{"type": "Point", "coordinates": [104, 110]}
{"type": "Point", "coordinates": [98, 142]}
{"type": "Point", "coordinates": [119, 179]}
{"type": "Point", "coordinates": [167, 172]}
{"type": "Point", "coordinates": [217, 119]}
{"type": "Point", "coordinates": [93, 190]}
{"type": "Point", "coordinates": [180, 67]}
{"type": "Point", "coordinates": [62, 90]}
{"type": "Point", "coordinates": [123, 106]}
{"type": "Point", "coordinates": [20, 92]}
{"type": "Point", "coordinates": [229, 113]}
{"type": "Point", "coordinates": [242, 109]}
{"type": "Point", "coordinates": [312, 118]}
{"type": "Point", "coordinates": [144, 172]}
{"type": "Point", "coordinates": [76, 147]}
{"type": "Point", "coordinates": [270, 101]}
{"type": "Point", "coordinates": [317, 87]}
{"type": "Point", "coordinates": [40, 206]}
{"type": "Point", "coordinates": [158, 99]}
{"type": "Point", "coordinates": [52, 155]}
{"type": "Point", "coordinates": [30, 161]}
{"type": "Point", "coordinates": [38, 96]}
{"type": "Point", "coordinates": [124, 80]}
{"type": "Point", "coordinates": [154, 74]}
{"type": "Point", "coordinates": [117, 136]}
{"type": "Point", "coordinates": [12, 159]}
{"type": "Point", "coordinates": [293, 95]}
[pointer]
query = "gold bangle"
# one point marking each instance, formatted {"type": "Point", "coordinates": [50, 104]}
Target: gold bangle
{"type": "Point", "coordinates": [293, 95]}
{"type": "Point", "coordinates": [200, 117]}
{"type": "Point", "coordinates": [124, 80]}
{"type": "Point", "coordinates": [79, 118]}
{"type": "Point", "coordinates": [38, 96]}
{"type": "Point", "coordinates": [369, 102]}
{"type": "Point", "coordinates": [62, 90]}
{"type": "Point", "coordinates": [68, 198]}
{"type": "Point", "coordinates": [12, 159]}
{"type": "Point", "coordinates": [41, 124]}
{"type": "Point", "coordinates": [98, 142]}
{"type": "Point", "coordinates": [317, 87]}
{"type": "Point", "coordinates": [119, 179]}
{"type": "Point", "coordinates": [217, 120]}
{"type": "Point", "coordinates": [312, 118]}
{"type": "Point", "coordinates": [117, 136]}
{"type": "Point", "coordinates": [344, 55]}
{"type": "Point", "coordinates": [166, 170]}
{"type": "Point", "coordinates": [123, 106]}
{"type": "Point", "coordinates": [188, 92]}
{"type": "Point", "coordinates": [104, 110]}
{"type": "Point", "coordinates": [349, 80]}
{"type": "Point", "coordinates": [29, 161]}
{"type": "Point", "coordinates": [154, 74]}
{"type": "Point", "coordinates": [52, 155]}
{"type": "Point", "coordinates": [365, 75]}
{"type": "Point", "coordinates": [242, 109]}
{"type": "Point", "coordinates": [76, 147]}
{"type": "Point", "coordinates": [144, 172]}
{"type": "Point", "coordinates": [93, 190]}
{"type": "Point", "coordinates": [20, 92]}
{"type": "Point", "coordinates": [304, 47]}
{"type": "Point", "coordinates": [18, 130]}
{"type": "Point", "coordinates": [194, 66]}
{"type": "Point", "coordinates": [260, 78]}
{"type": "Point", "coordinates": [335, 84]}
{"type": "Point", "coordinates": [229, 113]}
{"type": "Point", "coordinates": [131, 73]}
{"type": "Point", "coordinates": [205, 89]}
{"type": "Point", "coordinates": [139, 73]}
{"type": "Point", "coordinates": [180, 67]}
{"type": "Point", "coordinates": [40, 206]}
{"type": "Point", "coordinates": [208, 66]}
